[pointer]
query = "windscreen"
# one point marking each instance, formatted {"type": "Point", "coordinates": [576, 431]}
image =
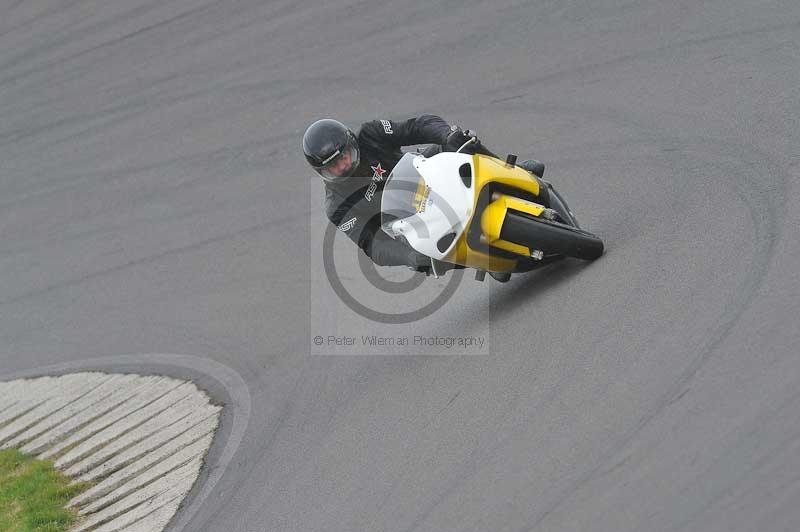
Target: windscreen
{"type": "Point", "coordinates": [405, 193]}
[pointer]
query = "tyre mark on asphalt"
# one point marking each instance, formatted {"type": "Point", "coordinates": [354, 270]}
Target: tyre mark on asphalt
{"type": "Point", "coordinates": [93, 28]}
{"type": "Point", "coordinates": [762, 209]}
{"type": "Point", "coordinates": [49, 186]}
{"type": "Point", "coordinates": [636, 56]}
{"type": "Point", "coordinates": [153, 258]}
{"type": "Point", "coordinates": [762, 425]}
{"type": "Point", "coordinates": [762, 206]}
{"type": "Point", "coordinates": [46, 13]}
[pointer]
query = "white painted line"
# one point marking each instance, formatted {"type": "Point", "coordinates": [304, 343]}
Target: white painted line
{"type": "Point", "coordinates": [20, 408]}
{"type": "Point", "coordinates": [60, 394]}
{"type": "Point", "coordinates": [125, 424]}
{"type": "Point", "coordinates": [35, 393]}
{"type": "Point", "coordinates": [133, 469]}
{"type": "Point", "coordinates": [175, 461]}
{"type": "Point", "coordinates": [144, 501]}
{"type": "Point", "coordinates": [123, 482]}
{"type": "Point", "coordinates": [141, 439]}
{"type": "Point", "coordinates": [156, 520]}
{"type": "Point", "coordinates": [100, 394]}
{"type": "Point", "coordinates": [146, 396]}
{"type": "Point", "coordinates": [76, 428]}
{"type": "Point", "coordinates": [189, 408]}
{"type": "Point", "coordinates": [7, 407]}
{"type": "Point", "coordinates": [203, 421]}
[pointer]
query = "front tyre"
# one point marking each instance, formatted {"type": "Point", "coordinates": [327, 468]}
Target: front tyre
{"type": "Point", "coordinates": [550, 237]}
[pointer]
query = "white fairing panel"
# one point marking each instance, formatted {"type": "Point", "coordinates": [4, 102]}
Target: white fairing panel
{"type": "Point", "coordinates": [448, 207]}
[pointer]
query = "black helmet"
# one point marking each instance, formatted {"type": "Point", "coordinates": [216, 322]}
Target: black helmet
{"type": "Point", "coordinates": [331, 149]}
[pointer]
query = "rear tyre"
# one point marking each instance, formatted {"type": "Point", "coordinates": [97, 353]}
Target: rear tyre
{"type": "Point", "coordinates": [550, 237]}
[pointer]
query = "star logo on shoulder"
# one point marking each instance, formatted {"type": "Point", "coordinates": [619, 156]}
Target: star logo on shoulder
{"type": "Point", "coordinates": [378, 172]}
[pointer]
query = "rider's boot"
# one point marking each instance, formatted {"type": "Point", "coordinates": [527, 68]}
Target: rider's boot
{"type": "Point", "coordinates": [502, 277]}
{"type": "Point", "coordinates": [533, 166]}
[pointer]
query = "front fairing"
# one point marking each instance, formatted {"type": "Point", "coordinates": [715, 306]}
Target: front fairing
{"type": "Point", "coordinates": [428, 203]}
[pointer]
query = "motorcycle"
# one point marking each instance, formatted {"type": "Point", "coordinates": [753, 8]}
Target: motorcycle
{"type": "Point", "coordinates": [476, 211]}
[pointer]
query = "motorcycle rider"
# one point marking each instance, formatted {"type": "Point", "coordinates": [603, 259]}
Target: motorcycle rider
{"type": "Point", "coordinates": [353, 168]}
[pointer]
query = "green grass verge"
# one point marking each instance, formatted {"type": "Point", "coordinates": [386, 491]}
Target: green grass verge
{"type": "Point", "coordinates": [33, 495]}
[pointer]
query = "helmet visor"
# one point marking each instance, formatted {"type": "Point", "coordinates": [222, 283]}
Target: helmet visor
{"type": "Point", "coordinates": [341, 164]}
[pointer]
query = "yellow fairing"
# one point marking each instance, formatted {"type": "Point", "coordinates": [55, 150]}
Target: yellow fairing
{"type": "Point", "coordinates": [488, 170]}
{"type": "Point", "coordinates": [494, 215]}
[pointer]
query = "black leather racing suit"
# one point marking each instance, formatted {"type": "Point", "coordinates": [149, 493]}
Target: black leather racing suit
{"type": "Point", "coordinates": [354, 206]}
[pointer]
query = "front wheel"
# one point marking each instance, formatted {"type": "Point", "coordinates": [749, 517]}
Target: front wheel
{"type": "Point", "coordinates": [550, 237]}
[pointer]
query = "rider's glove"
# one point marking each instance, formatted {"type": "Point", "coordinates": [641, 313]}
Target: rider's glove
{"type": "Point", "coordinates": [457, 137]}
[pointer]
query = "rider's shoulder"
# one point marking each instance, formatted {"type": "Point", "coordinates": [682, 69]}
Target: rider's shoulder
{"type": "Point", "coordinates": [370, 129]}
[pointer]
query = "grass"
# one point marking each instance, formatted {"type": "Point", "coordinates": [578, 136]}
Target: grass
{"type": "Point", "coordinates": [33, 495]}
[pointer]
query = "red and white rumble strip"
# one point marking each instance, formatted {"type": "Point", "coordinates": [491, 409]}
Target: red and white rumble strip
{"type": "Point", "coordinates": [141, 440]}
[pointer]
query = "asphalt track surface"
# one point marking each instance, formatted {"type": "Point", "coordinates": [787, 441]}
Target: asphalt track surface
{"type": "Point", "coordinates": [154, 199]}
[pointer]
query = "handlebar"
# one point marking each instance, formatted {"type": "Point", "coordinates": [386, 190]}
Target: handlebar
{"type": "Point", "coordinates": [480, 148]}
